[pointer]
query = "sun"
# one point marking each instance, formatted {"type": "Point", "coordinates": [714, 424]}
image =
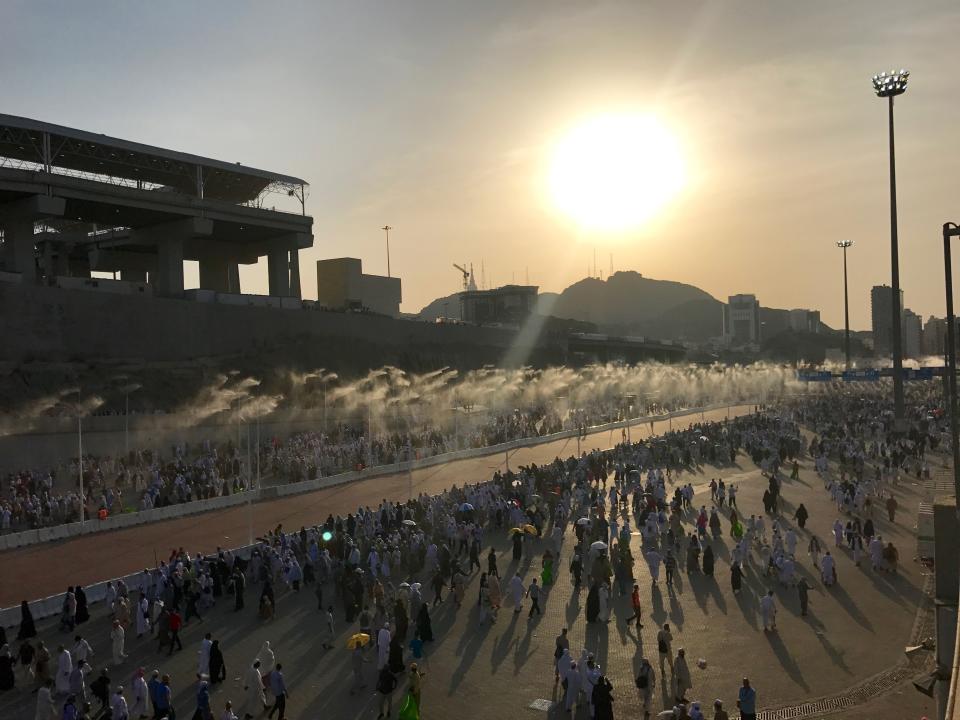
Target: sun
{"type": "Point", "coordinates": [614, 172]}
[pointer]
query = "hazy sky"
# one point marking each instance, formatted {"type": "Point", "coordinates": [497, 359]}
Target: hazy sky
{"type": "Point", "coordinates": [438, 118]}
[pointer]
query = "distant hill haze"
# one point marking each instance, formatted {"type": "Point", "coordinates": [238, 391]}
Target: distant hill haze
{"type": "Point", "coordinates": [627, 303]}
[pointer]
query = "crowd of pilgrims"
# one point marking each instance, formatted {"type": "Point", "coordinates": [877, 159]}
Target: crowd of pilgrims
{"type": "Point", "coordinates": [143, 480]}
{"type": "Point", "coordinates": [385, 568]}
{"type": "Point", "coordinates": [146, 478]}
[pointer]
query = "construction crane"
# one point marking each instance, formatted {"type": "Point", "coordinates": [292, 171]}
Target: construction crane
{"type": "Point", "coordinates": [466, 276]}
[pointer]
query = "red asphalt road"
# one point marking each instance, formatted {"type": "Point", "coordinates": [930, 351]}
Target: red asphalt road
{"type": "Point", "coordinates": [46, 569]}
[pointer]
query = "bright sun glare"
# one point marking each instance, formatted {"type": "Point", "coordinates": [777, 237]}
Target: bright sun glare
{"type": "Point", "coordinates": [614, 172]}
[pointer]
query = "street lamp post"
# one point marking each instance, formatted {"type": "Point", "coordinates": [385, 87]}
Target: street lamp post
{"type": "Point", "coordinates": [83, 498]}
{"type": "Point", "coordinates": [846, 301]}
{"type": "Point", "coordinates": [889, 86]}
{"type": "Point", "coordinates": [387, 229]}
{"type": "Point", "coordinates": [951, 230]}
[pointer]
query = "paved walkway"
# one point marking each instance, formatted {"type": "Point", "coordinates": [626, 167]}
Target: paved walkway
{"type": "Point", "coordinates": [854, 631]}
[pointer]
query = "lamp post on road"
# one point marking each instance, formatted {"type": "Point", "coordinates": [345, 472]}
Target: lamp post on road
{"type": "Point", "coordinates": [387, 229]}
{"type": "Point", "coordinates": [889, 86]}
{"type": "Point", "coordinates": [846, 301]}
{"type": "Point", "coordinates": [951, 230]}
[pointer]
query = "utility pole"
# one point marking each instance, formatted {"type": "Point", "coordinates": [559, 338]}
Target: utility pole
{"type": "Point", "coordinates": [846, 301]}
{"type": "Point", "coordinates": [83, 499]}
{"type": "Point", "coordinates": [387, 229]}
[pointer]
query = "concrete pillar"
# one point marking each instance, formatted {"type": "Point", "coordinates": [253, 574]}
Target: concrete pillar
{"type": "Point", "coordinates": [295, 274]}
{"type": "Point", "coordinates": [17, 219]}
{"type": "Point", "coordinates": [214, 274]}
{"type": "Point", "coordinates": [19, 252]}
{"type": "Point", "coordinates": [63, 260]}
{"type": "Point", "coordinates": [278, 272]}
{"type": "Point", "coordinates": [170, 266]}
{"type": "Point", "coordinates": [134, 275]}
{"type": "Point", "coordinates": [233, 278]}
{"type": "Point", "coordinates": [169, 239]}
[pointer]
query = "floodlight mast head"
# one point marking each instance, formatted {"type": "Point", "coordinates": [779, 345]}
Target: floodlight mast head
{"type": "Point", "coordinates": [891, 84]}
{"type": "Point", "coordinates": [844, 243]}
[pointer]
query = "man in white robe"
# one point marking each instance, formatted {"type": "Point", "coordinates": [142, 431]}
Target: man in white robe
{"type": "Point", "coordinates": [255, 701]}
{"type": "Point", "coordinates": [383, 646]}
{"type": "Point", "coordinates": [64, 668]}
{"type": "Point", "coordinates": [516, 590]}
{"type": "Point", "coordinates": [117, 637]}
{"type": "Point", "coordinates": [143, 616]}
{"type": "Point", "coordinates": [203, 662]}
{"type": "Point", "coordinates": [826, 569]}
{"type": "Point", "coordinates": [768, 610]}
{"type": "Point", "coordinates": [572, 676]}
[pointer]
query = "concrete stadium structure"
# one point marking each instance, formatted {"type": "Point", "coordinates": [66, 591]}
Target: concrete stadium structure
{"type": "Point", "coordinates": [73, 202]}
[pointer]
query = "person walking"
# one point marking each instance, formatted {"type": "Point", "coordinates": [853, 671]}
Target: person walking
{"type": "Point", "coordinates": [256, 701]}
{"type": "Point", "coordinates": [718, 712]}
{"type": "Point", "coordinates": [645, 682]}
{"type": "Point", "coordinates": [803, 593]}
{"type": "Point", "coordinates": [176, 622]}
{"type": "Point", "coordinates": [681, 676]}
{"type": "Point", "coordinates": [562, 643]}
{"type": "Point", "coordinates": [279, 689]}
{"type": "Point", "coordinates": [747, 701]}
{"type": "Point", "coordinates": [533, 592]}
{"type": "Point", "coordinates": [386, 684]}
{"type": "Point", "coordinates": [665, 645]}
{"type": "Point", "coordinates": [164, 701]}
{"type": "Point", "coordinates": [356, 667]}
{"type": "Point", "coordinates": [768, 611]}
{"type": "Point", "coordinates": [891, 507]}
{"type": "Point", "coordinates": [635, 603]}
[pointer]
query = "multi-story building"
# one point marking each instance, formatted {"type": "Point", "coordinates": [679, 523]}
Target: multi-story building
{"type": "Point", "coordinates": [934, 337]}
{"type": "Point", "coordinates": [881, 315]}
{"type": "Point", "coordinates": [342, 285]}
{"type": "Point", "coordinates": [912, 334]}
{"type": "Point", "coordinates": [507, 305]}
{"type": "Point", "coordinates": [741, 320]}
{"type": "Point", "coordinates": [805, 321]}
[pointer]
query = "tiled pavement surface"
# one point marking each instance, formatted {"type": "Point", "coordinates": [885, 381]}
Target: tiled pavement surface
{"type": "Point", "coordinates": [855, 630]}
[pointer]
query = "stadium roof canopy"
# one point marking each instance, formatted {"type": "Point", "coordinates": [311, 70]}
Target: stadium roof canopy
{"type": "Point", "coordinates": [64, 150]}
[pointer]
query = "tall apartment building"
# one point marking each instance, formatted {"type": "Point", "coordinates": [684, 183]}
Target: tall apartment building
{"type": "Point", "coordinates": [912, 334]}
{"type": "Point", "coordinates": [741, 320]}
{"type": "Point", "coordinates": [881, 315]}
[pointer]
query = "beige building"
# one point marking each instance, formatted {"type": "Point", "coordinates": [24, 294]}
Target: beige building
{"type": "Point", "coordinates": [341, 285]}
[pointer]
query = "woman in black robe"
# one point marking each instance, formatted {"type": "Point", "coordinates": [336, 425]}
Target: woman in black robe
{"type": "Point", "coordinates": [218, 670]}
{"type": "Point", "coordinates": [593, 603]}
{"type": "Point", "coordinates": [602, 700]}
{"type": "Point", "coordinates": [401, 621]}
{"type": "Point", "coordinates": [6, 668]}
{"type": "Point", "coordinates": [395, 658]}
{"type": "Point", "coordinates": [27, 628]}
{"type": "Point", "coordinates": [517, 545]}
{"type": "Point", "coordinates": [82, 613]}
{"type": "Point", "coordinates": [693, 554]}
{"type": "Point", "coordinates": [736, 576]}
{"type": "Point", "coordinates": [708, 560]}
{"type": "Point", "coordinates": [424, 626]}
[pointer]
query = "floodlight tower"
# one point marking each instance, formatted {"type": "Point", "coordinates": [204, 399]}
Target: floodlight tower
{"type": "Point", "coordinates": [846, 300]}
{"type": "Point", "coordinates": [889, 85]}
